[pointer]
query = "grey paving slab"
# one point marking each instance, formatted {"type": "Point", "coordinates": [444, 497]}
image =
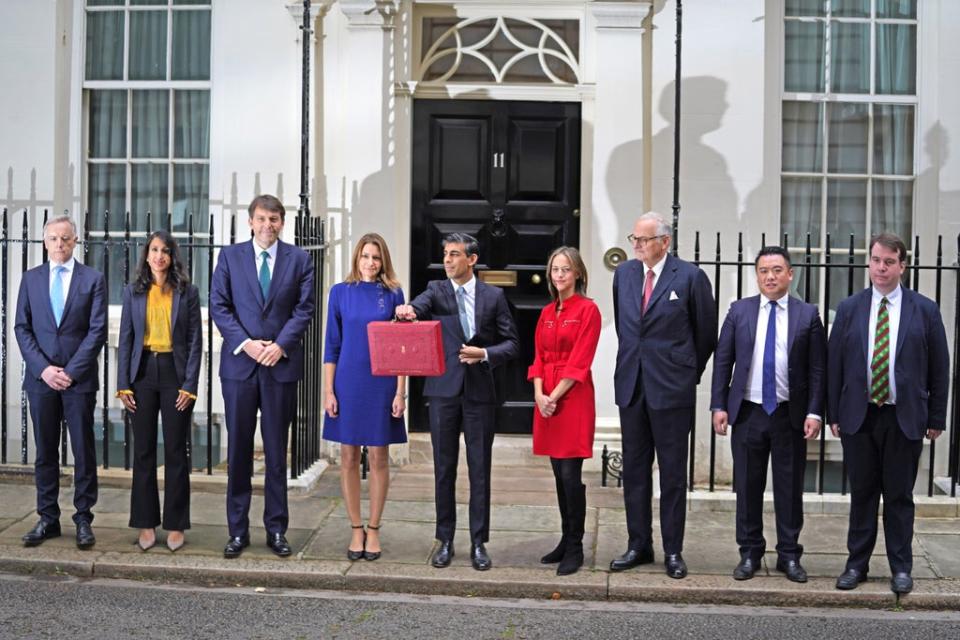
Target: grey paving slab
{"type": "Point", "coordinates": [6, 522]}
{"type": "Point", "coordinates": [937, 525]}
{"type": "Point", "coordinates": [523, 549]}
{"type": "Point", "coordinates": [943, 552]}
{"type": "Point", "coordinates": [401, 542]}
{"type": "Point", "coordinates": [18, 500]}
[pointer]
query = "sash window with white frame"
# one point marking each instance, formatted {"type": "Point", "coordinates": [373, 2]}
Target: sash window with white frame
{"type": "Point", "coordinates": [849, 107]}
{"type": "Point", "coordinates": [147, 116]}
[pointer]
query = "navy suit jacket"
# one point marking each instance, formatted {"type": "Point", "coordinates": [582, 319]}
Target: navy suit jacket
{"type": "Point", "coordinates": [806, 359]}
{"type": "Point", "coordinates": [665, 350]}
{"type": "Point", "coordinates": [187, 337]}
{"type": "Point", "coordinates": [75, 344]}
{"type": "Point", "coordinates": [240, 312]}
{"type": "Point", "coordinates": [495, 331]}
{"type": "Point", "coordinates": [921, 365]}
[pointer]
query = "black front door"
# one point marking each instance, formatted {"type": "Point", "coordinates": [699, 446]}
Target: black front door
{"type": "Point", "coordinates": [508, 173]}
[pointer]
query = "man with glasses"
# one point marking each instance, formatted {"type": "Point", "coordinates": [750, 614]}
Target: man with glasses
{"type": "Point", "coordinates": [666, 323]}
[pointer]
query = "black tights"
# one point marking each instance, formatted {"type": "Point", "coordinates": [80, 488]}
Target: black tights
{"type": "Point", "coordinates": [567, 472]}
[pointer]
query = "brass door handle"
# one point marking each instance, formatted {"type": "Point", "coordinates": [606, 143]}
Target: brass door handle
{"type": "Point", "coordinates": [536, 279]}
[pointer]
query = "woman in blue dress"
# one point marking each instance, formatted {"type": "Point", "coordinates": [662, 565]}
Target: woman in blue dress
{"type": "Point", "coordinates": [362, 409]}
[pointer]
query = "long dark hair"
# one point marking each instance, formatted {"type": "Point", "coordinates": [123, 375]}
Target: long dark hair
{"type": "Point", "coordinates": [177, 278]}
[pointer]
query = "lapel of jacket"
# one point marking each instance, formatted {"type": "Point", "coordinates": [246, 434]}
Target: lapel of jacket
{"type": "Point", "coordinates": [478, 299]}
{"type": "Point", "coordinates": [752, 312]}
{"type": "Point", "coordinates": [636, 283]}
{"type": "Point", "coordinates": [173, 312]}
{"type": "Point", "coordinates": [906, 317]}
{"type": "Point", "coordinates": [793, 321]}
{"type": "Point", "coordinates": [663, 282]}
{"type": "Point", "coordinates": [44, 286]}
{"type": "Point", "coordinates": [863, 321]}
{"type": "Point", "coordinates": [139, 310]}
{"type": "Point", "coordinates": [74, 278]}
{"type": "Point", "coordinates": [279, 271]}
{"type": "Point", "coordinates": [249, 269]}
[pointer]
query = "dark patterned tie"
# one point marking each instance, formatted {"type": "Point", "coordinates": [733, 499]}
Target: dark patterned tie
{"type": "Point", "coordinates": [880, 365]}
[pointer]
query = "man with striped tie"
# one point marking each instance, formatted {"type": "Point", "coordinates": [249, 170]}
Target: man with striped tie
{"type": "Point", "coordinates": [888, 366]}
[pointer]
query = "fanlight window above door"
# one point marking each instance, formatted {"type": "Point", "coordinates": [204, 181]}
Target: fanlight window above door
{"type": "Point", "coordinates": [500, 50]}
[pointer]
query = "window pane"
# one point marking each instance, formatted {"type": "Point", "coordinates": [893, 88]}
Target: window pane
{"type": "Point", "coordinates": [806, 8]}
{"type": "Point", "coordinates": [148, 45]}
{"type": "Point", "coordinates": [191, 45]}
{"type": "Point", "coordinates": [847, 211]}
{"type": "Point", "coordinates": [801, 276]}
{"type": "Point", "coordinates": [896, 8]}
{"type": "Point", "coordinates": [99, 3]}
{"type": "Point", "coordinates": [151, 123]}
{"type": "Point", "coordinates": [800, 210]}
{"type": "Point", "coordinates": [847, 133]}
{"type": "Point", "coordinates": [892, 208]}
{"type": "Point", "coordinates": [154, 2]}
{"type": "Point", "coordinates": [191, 1]}
{"type": "Point", "coordinates": [850, 8]}
{"type": "Point", "coordinates": [893, 139]}
{"type": "Point", "coordinates": [191, 128]}
{"type": "Point", "coordinates": [149, 194]}
{"type": "Point", "coordinates": [803, 56]}
{"type": "Point", "coordinates": [802, 136]}
{"type": "Point", "coordinates": [896, 59]}
{"type": "Point", "coordinates": [108, 124]}
{"type": "Point", "coordinates": [107, 190]}
{"type": "Point", "coordinates": [104, 59]}
{"type": "Point", "coordinates": [844, 281]}
{"type": "Point", "coordinates": [190, 194]}
{"type": "Point", "coordinates": [113, 274]}
{"type": "Point", "coordinates": [850, 59]}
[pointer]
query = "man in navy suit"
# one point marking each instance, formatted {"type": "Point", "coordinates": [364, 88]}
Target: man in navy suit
{"type": "Point", "coordinates": [666, 322]}
{"type": "Point", "coordinates": [261, 299]}
{"type": "Point", "coordinates": [61, 325]}
{"type": "Point", "coordinates": [769, 383]}
{"type": "Point", "coordinates": [888, 368]}
{"type": "Point", "coordinates": [478, 335]}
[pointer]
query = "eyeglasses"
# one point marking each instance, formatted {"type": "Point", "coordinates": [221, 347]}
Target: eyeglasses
{"type": "Point", "coordinates": [642, 240]}
{"type": "Point", "coordinates": [560, 270]}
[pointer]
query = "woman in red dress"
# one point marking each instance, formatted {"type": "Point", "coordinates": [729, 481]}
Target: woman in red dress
{"type": "Point", "coordinates": [563, 423]}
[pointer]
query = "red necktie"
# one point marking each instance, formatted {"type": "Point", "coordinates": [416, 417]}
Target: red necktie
{"type": "Point", "coordinates": [647, 289]}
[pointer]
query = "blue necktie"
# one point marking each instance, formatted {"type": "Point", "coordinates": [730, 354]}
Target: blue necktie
{"type": "Point", "coordinates": [770, 362]}
{"type": "Point", "coordinates": [462, 307]}
{"type": "Point", "coordinates": [56, 293]}
{"type": "Point", "coordinates": [264, 273]}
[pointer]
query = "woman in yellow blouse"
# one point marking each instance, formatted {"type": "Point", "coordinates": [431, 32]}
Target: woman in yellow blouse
{"type": "Point", "coordinates": [158, 366]}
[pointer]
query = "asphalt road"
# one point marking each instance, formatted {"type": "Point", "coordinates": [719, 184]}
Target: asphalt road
{"type": "Point", "coordinates": [65, 607]}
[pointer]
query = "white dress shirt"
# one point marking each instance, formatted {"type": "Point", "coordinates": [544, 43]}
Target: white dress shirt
{"type": "Point", "coordinates": [754, 391]}
{"type": "Point", "coordinates": [65, 277]}
{"type": "Point", "coordinates": [470, 304]}
{"type": "Point", "coordinates": [894, 304]}
{"type": "Point", "coordinates": [657, 270]}
{"type": "Point", "coordinates": [258, 261]}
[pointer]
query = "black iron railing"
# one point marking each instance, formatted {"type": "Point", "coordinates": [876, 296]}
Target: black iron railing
{"type": "Point", "coordinates": [817, 266]}
{"type": "Point", "coordinates": [305, 432]}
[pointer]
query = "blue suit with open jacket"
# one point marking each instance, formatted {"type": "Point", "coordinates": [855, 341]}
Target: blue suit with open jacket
{"type": "Point", "coordinates": [757, 436]}
{"type": "Point", "coordinates": [134, 373]}
{"type": "Point", "coordinates": [74, 345]}
{"type": "Point", "coordinates": [465, 395]}
{"type": "Point", "coordinates": [240, 311]}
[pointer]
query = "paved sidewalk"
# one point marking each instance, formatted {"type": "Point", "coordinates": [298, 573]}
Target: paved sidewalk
{"type": "Point", "coordinates": [525, 525]}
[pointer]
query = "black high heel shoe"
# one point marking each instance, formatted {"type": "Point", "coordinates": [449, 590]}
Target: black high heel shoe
{"type": "Point", "coordinates": [357, 555]}
{"type": "Point", "coordinates": [370, 555]}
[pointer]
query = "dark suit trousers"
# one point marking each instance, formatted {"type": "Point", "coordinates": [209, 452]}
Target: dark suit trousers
{"type": "Point", "coordinates": [647, 431]}
{"type": "Point", "coordinates": [881, 461]}
{"type": "Point", "coordinates": [155, 391]}
{"type": "Point", "coordinates": [47, 409]}
{"type": "Point", "coordinates": [448, 416]}
{"type": "Point", "coordinates": [276, 401]}
{"type": "Point", "coordinates": [758, 438]}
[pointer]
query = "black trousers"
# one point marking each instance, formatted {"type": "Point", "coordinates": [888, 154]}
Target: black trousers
{"type": "Point", "coordinates": [758, 438]}
{"type": "Point", "coordinates": [48, 409]}
{"type": "Point", "coordinates": [644, 432]}
{"type": "Point", "coordinates": [448, 416]}
{"type": "Point", "coordinates": [881, 461]}
{"type": "Point", "coordinates": [155, 392]}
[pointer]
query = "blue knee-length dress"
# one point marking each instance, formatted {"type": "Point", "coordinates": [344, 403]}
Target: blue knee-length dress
{"type": "Point", "coordinates": [365, 400]}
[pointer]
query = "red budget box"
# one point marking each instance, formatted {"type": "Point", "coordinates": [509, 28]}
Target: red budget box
{"type": "Point", "coordinates": [406, 348]}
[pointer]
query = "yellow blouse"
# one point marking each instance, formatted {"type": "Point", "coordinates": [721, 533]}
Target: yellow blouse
{"type": "Point", "coordinates": [157, 334]}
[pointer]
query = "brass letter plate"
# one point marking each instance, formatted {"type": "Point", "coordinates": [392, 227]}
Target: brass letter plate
{"type": "Point", "coordinates": [498, 278]}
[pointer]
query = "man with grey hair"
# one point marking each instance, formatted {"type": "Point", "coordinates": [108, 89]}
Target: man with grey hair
{"type": "Point", "coordinates": [61, 324]}
{"type": "Point", "coordinates": [666, 323]}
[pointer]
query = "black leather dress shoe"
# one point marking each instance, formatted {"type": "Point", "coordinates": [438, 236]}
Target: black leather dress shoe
{"type": "Point", "coordinates": [675, 566]}
{"type": "Point", "coordinates": [443, 555]}
{"type": "Point", "coordinates": [632, 558]}
{"type": "Point", "coordinates": [278, 544]}
{"type": "Point", "coordinates": [795, 573]}
{"type": "Point", "coordinates": [479, 558]}
{"type": "Point", "coordinates": [236, 545]}
{"type": "Point", "coordinates": [745, 570]}
{"type": "Point", "coordinates": [85, 537]}
{"type": "Point", "coordinates": [901, 583]}
{"type": "Point", "coordinates": [850, 579]}
{"type": "Point", "coordinates": [41, 531]}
